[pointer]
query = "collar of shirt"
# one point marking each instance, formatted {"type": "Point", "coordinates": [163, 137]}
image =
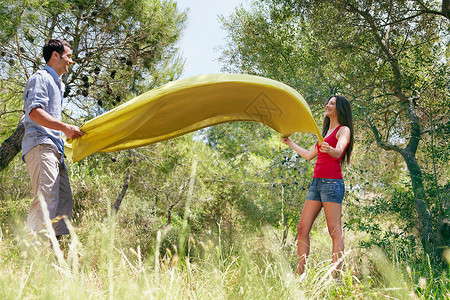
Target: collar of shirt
{"type": "Point", "coordinates": [57, 80]}
{"type": "Point", "coordinates": [55, 75]}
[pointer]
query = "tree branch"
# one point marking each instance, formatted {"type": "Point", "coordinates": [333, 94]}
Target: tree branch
{"type": "Point", "coordinates": [11, 112]}
{"type": "Point", "coordinates": [385, 145]}
{"type": "Point", "coordinates": [445, 9]}
{"type": "Point", "coordinates": [397, 88]}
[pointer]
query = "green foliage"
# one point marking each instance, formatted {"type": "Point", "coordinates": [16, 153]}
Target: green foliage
{"type": "Point", "coordinates": [11, 107]}
{"type": "Point", "coordinates": [15, 195]}
{"type": "Point", "coordinates": [245, 179]}
{"type": "Point", "coordinates": [228, 253]}
{"type": "Point", "coordinates": [102, 263]}
{"type": "Point", "coordinates": [390, 219]}
{"type": "Point", "coordinates": [265, 181]}
{"type": "Point", "coordinates": [392, 63]}
{"type": "Point", "coordinates": [115, 45]}
{"type": "Point", "coordinates": [271, 43]}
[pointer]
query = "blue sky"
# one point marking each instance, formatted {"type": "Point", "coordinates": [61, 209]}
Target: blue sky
{"type": "Point", "coordinates": [203, 34]}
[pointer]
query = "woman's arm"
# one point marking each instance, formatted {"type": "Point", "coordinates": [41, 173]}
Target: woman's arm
{"type": "Point", "coordinates": [306, 154]}
{"type": "Point", "coordinates": [343, 136]}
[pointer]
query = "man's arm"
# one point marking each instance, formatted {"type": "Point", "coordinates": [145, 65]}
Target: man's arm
{"type": "Point", "coordinates": [41, 117]}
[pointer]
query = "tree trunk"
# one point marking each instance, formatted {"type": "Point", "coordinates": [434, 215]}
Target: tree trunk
{"type": "Point", "coordinates": [12, 145]}
{"type": "Point", "coordinates": [446, 8]}
{"type": "Point", "coordinates": [430, 239]}
{"type": "Point", "coordinates": [169, 214]}
{"type": "Point", "coordinates": [123, 191]}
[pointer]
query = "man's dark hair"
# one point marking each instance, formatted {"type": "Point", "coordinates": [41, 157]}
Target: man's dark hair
{"type": "Point", "coordinates": [54, 45]}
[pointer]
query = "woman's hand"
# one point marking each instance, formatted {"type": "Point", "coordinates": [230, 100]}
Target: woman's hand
{"type": "Point", "coordinates": [325, 147]}
{"type": "Point", "coordinates": [286, 140]}
{"type": "Point", "coordinates": [343, 137]}
{"type": "Point", "coordinates": [306, 154]}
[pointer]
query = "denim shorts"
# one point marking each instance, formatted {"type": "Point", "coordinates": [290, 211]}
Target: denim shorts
{"type": "Point", "coordinates": [326, 190]}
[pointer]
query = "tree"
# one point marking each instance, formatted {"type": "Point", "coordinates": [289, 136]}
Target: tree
{"type": "Point", "coordinates": [120, 49]}
{"type": "Point", "coordinates": [262, 182]}
{"type": "Point", "coordinates": [271, 43]}
{"type": "Point", "coordinates": [389, 58]}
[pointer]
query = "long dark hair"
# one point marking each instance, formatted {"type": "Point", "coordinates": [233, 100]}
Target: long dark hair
{"type": "Point", "coordinates": [344, 111]}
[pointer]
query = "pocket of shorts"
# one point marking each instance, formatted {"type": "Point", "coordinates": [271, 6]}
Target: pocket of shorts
{"type": "Point", "coordinates": [332, 186]}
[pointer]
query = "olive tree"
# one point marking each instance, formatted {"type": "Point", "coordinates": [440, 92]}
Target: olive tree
{"type": "Point", "coordinates": [120, 49]}
{"type": "Point", "coordinates": [389, 58]}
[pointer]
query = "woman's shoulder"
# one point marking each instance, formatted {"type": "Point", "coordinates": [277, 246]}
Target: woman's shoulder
{"type": "Point", "coordinates": [343, 130]}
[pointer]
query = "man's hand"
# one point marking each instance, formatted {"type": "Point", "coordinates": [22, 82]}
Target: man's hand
{"type": "Point", "coordinates": [72, 131]}
{"type": "Point", "coordinates": [41, 117]}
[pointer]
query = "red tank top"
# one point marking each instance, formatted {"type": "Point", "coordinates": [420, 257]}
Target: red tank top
{"type": "Point", "coordinates": [326, 165]}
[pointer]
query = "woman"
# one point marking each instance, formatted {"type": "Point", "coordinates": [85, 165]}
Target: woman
{"type": "Point", "coordinates": [327, 187]}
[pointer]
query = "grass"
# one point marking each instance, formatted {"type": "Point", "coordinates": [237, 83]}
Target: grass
{"type": "Point", "coordinates": [95, 266]}
{"type": "Point", "coordinates": [111, 256]}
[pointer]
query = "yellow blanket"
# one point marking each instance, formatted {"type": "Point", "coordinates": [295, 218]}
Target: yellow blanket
{"type": "Point", "coordinates": [190, 104]}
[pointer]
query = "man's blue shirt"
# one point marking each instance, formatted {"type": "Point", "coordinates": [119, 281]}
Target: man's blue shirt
{"type": "Point", "coordinates": [44, 89]}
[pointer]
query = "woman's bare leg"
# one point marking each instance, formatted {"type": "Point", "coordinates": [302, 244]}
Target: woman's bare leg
{"type": "Point", "coordinates": [333, 213]}
{"type": "Point", "coordinates": [309, 213]}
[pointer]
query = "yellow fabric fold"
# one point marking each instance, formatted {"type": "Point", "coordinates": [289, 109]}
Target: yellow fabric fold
{"type": "Point", "coordinates": [190, 104]}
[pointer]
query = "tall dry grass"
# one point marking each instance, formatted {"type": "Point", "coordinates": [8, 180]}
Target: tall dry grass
{"type": "Point", "coordinates": [95, 266]}
{"type": "Point", "coordinates": [103, 258]}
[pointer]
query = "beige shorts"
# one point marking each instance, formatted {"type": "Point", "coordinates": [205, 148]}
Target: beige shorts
{"type": "Point", "coordinates": [48, 177]}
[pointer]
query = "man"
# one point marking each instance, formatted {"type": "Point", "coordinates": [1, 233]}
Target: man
{"type": "Point", "coordinates": [42, 144]}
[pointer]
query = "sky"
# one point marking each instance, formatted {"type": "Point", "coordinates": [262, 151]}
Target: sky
{"type": "Point", "coordinates": [203, 34]}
